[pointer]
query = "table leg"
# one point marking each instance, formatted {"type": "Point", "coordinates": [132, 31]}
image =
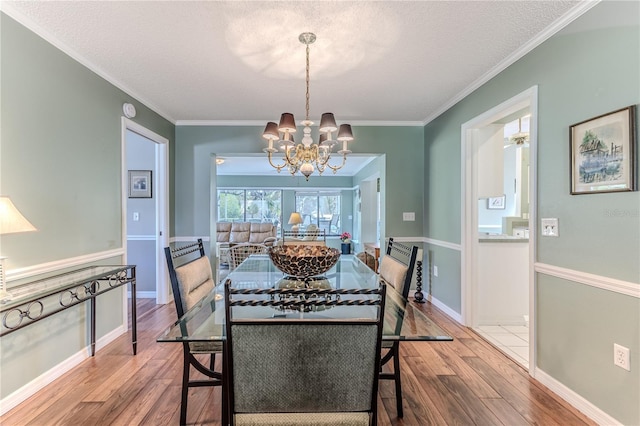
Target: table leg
{"type": "Point", "coordinates": [93, 321]}
{"type": "Point", "coordinates": [226, 405]}
{"type": "Point", "coordinates": [134, 318]}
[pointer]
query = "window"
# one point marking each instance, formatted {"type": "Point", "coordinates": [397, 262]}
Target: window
{"type": "Point", "coordinates": [250, 205]}
{"type": "Point", "coordinates": [320, 208]}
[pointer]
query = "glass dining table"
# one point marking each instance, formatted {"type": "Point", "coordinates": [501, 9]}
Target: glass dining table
{"type": "Point", "coordinates": [403, 319]}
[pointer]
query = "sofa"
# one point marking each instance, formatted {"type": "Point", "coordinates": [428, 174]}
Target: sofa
{"type": "Point", "coordinates": [231, 233]}
{"type": "Point", "coordinates": [245, 232]}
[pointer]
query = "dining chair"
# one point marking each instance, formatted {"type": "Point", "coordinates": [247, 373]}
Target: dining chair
{"type": "Point", "coordinates": [240, 252]}
{"type": "Point", "coordinates": [293, 371]}
{"type": "Point", "coordinates": [396, 270]}
{"type": "Point", "coordinates": [191, 280]}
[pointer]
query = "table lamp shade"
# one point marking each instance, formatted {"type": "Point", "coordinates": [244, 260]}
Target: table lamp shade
{"type": "Point", "coordinates": [11, 220]}
{"type": "Point", "coordinates": [295, 219]}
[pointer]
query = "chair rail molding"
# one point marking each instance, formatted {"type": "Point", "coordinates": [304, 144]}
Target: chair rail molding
{"type": "Point", "coordinates": [439, 243]}
{"type": "Point", "coordinates": [188, 239]}
{"type": "Point", "coordinates": [141, 237]}
{"type": "Point", "coordinates": [605, 283]}
{"type": "Point", "coordinates": [56, 265]}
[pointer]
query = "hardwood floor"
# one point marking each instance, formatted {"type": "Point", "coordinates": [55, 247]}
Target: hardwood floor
{"type": "Point", "coordinates": [464, 382]}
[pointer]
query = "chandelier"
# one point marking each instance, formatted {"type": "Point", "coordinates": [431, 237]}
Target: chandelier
{"type": "Point", "coordinates": [307, 156]}
{"type": "Point", "coordinates": [520, 137]}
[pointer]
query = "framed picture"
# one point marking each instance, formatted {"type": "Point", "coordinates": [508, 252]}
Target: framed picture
{"type": "Point", "coordinates": [496, 203]}
{"type": "Point", "coordinates": [140, 184]}
{"type": "Point", "coordinates": [602, 153]}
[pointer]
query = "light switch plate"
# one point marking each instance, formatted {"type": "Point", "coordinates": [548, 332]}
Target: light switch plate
{"type": "Point", "coordinates": [549, 227]}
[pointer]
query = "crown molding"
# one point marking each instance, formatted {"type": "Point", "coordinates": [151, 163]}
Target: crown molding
{"type": "Point", "coordinates": [546, 34]}
{"type": "Point", "coordinates": [261, 123]}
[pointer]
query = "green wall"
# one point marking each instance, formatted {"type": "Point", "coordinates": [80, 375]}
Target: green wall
{"type": "Point", "coordinates": [403, 147]}
{"type": "Point", "coordinates": [579, 74]}
{"type": "Point", "coordinates": [60, 161]}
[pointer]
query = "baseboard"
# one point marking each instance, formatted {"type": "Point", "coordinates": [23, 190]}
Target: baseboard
{"type": "Point", "coordinates": [444, 308]}
{"type": "Point", "coordinates": [580, 403]}
{"type": "Point", "coordinates": [143, 294]}
{"type": "Point", "coordinates": [17, 397]}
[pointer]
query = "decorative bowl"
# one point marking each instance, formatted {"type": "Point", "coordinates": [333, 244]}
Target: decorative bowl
{"type": "Point", "coordinates": [304, 261]}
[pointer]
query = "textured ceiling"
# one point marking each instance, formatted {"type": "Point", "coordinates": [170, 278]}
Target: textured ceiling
{"type": "Point", "coordinates": [385, 61]}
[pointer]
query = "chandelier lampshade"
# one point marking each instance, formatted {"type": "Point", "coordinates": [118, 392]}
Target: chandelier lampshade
{"type": "Point", "coordinates": [328, 123]}
{"type": "Point", "coordinates": [287, 123]}
{"type": "Point", "coordinates": [307, 156]}
{"type": "Point", "coordinates": [271, 132]}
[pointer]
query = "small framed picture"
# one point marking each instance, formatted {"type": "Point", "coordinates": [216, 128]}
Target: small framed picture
{"type": "Point", "coordinates": [602, 153]}
{"type": "Point", "coordinates": [496, 203]}
{"type": "Point", "coordinates": [140, 184]}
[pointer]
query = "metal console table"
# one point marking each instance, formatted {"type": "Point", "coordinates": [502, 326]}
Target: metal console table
{"type": "Point", "coordinates": [37, 300]}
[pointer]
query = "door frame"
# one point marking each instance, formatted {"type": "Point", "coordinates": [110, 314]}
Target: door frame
{"type": "Point", "coordinates": [161, 196]}
{"type": "Point", "coordinates": [469, 217]}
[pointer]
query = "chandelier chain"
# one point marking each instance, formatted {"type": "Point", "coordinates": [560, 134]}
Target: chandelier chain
{"type": "Point", "coordinates": [307, 81]}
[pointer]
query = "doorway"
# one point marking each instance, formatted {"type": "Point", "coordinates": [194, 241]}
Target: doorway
{"type": "Point", "coordinates": [145, 219]}
{"type": "Point", "coordinates": [497, 263]}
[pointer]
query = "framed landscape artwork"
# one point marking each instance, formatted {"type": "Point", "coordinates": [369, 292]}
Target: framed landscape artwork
{"type": "Point", "coordinates": [602, 153]}
{"type": "Point", "coordinates": [139, 183]}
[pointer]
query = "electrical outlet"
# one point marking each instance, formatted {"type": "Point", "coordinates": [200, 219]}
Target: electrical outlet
{"type": "Point", "coordinates": [435, 271]}
{"type": "Point", "coordinates": [621, 357]}
{"type": "Point", "coordinates": [136, 216]}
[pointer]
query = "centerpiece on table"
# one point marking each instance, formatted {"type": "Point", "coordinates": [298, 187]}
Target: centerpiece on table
{"type": "Point", "coordinates": [345, 237]}
{"type": "Point", "coordinates": [303, 261]}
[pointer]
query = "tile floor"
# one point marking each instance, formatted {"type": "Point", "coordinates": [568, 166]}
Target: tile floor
{"type": "Point", "coordinates": [513, 340]}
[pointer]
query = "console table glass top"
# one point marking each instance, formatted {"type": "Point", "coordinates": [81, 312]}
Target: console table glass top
{"type": "Point", "coordinates": [48, 286]}
{"type": "Point", "coordinates": [205, 321]}
{"type": "Point", "coordinates": [36, 300]}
